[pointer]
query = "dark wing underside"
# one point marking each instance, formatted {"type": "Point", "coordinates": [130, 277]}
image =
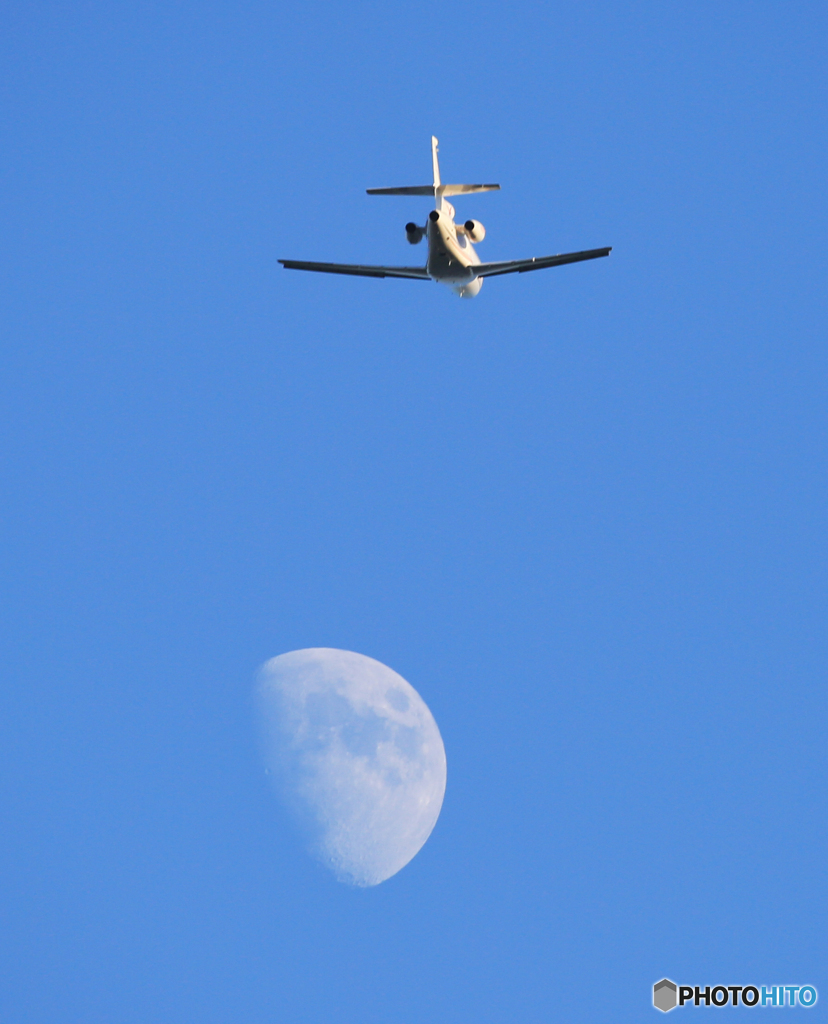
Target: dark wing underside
{"type": "Point", "coordinates": [538, 263]}
{"type": "Point", "coordinates": [357, 269]}
{"type": "Point", "coordinates": [420, 273]}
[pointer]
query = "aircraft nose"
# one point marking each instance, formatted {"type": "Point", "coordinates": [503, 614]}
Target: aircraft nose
{"type": "Point", "coordinates": [434, 216]}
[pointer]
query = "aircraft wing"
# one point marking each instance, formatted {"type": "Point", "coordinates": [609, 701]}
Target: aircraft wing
{"type": "Point", "coordinates": [538, 262]}
{"type": "Point", "coordinates": [358, 269]}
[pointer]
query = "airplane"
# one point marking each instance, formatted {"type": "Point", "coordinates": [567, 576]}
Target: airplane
{"type": "Point", "coordinates": [451, 256]}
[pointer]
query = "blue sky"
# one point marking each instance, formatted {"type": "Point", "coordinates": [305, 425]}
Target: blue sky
{"type": "Point", "coordinates": [584, 514]}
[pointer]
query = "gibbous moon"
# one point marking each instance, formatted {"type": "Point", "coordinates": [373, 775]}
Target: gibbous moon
{"type": "Point", "coordinates": [356, 755]}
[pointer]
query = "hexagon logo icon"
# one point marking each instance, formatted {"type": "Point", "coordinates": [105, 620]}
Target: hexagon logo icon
{"type": "Point", "coordinates": [665, 995]}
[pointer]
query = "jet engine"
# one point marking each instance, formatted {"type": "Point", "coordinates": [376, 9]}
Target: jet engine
{"type": "Point", "coordinates": [475, 230]}
{"type": "Point", "coordinates": [413, 233]}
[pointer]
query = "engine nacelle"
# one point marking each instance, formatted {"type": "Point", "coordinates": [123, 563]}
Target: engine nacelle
{"type": "Point", "coordinates": [413, 233]}
{"type": "Point", "coordinates": [475, 230]}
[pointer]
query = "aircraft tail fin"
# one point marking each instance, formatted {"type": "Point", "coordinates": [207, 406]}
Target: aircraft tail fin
{"type": "Point", "coordinates": [435, 163]}
{"type": "Point", "coordinates": [438, 190]}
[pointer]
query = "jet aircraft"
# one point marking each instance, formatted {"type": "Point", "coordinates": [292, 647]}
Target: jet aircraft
{"type": "Point", "coordinates": [452, 259]}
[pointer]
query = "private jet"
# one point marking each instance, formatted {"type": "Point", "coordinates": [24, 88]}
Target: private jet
{"type": "Point", "coordinates": [452, 259]}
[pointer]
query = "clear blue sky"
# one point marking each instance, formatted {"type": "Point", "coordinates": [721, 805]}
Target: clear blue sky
{"type": "Point", "coordinates": [583, 514]}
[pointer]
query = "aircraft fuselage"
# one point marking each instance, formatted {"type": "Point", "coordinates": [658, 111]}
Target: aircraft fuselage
{"type": "Point", "coordinates": [451, 255]}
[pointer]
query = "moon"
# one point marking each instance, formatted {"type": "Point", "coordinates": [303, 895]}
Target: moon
{"type": "Point", "coordinates": [357, 757]}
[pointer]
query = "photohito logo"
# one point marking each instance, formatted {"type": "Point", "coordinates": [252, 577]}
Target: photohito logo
{"type": "Point", "coordinates": [667, 995]}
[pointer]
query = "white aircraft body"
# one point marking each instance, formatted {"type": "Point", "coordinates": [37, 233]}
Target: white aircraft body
{"type": "Point", "coordinates": [452, 259]}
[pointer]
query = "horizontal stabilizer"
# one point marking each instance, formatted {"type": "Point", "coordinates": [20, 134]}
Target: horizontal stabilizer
{"type": "Point", "coordinates": [357, 269]}
{"type": "Point", "coordinates": [432, 190]}
{"type": "Point", "coordinates": [410, 190]}
{"type": "Point", "coordinates": [461, 190]}
{"type": "Point", "coordinates": [538, 262]}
